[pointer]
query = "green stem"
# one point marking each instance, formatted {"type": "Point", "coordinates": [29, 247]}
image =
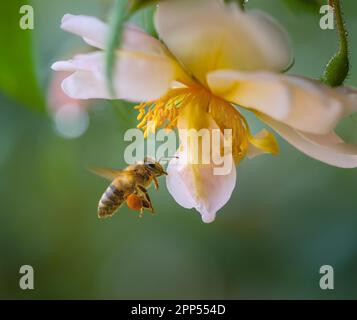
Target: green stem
{"type": "Point", "coordinates": [342, 32]}
{"type": "Point", "coordinates": [121, 12]}
{"type": "Point", "coordinates": [338, 67]}
{"type": "Point", "coordinates": [116, 22]}
{"type": "Point", "coordinates": [135, 5]}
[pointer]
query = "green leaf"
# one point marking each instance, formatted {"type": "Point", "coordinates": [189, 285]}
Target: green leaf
{"type": "Point", "coordinates": [17, 68]}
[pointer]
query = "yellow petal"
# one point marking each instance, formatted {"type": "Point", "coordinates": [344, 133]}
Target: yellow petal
{"type": "Point", "coordinates": [206, 35]}
{"type": "Point", "coordinates": [228, 117]}
{"type": "Point", "coordinates": [263, 142]}
{"type": "Point", "coordinates": [301, 103]}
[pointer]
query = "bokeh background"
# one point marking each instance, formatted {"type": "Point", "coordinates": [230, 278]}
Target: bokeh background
{"type": "Point", "coordinates": [288, 215]}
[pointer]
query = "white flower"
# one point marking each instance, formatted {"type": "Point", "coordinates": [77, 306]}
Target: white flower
{"type": "Point", "coordinates": [220, 56]}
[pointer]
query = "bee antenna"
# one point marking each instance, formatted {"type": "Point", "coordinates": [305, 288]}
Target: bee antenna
{"type": "Point", "coordinates": [167, 158]}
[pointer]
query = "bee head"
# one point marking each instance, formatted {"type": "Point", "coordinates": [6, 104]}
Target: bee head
{"type": "Point", "coordinates": [154, 167]}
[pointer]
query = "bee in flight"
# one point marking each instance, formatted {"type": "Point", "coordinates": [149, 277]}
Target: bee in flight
{"type": "Point", "coordinates": [129, 185]}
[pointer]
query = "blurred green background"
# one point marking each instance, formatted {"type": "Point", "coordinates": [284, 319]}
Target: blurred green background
{"type": "Point", "coordinates": [288, 215]}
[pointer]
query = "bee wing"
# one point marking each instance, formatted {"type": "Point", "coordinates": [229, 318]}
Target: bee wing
{"type": "Point", "coordinates": [109, 174]}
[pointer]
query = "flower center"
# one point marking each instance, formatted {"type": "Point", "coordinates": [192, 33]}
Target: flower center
{"type": "Point", "coordinates": [194, 104]}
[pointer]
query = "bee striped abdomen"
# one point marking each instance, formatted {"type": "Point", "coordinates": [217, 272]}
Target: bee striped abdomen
{"type": "Point", "coordinates": [110, 201]}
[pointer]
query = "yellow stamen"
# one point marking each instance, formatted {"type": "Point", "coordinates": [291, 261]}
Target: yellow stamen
{"type": "Point", "coordinates": [165, 112]}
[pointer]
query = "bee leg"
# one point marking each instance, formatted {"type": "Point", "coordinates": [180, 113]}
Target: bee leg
{"type": "Point", "coordinates": [141, 213]}
{"type": "Point", "coordinates": [156, 184]}
{"type": "Point", "coordinates": [150, 207]}
{"type": "Point", "coordinates": [147, 199]}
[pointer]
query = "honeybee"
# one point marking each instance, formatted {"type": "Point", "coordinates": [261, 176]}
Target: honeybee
{"type": "Point", "coordinates": [129, 185]}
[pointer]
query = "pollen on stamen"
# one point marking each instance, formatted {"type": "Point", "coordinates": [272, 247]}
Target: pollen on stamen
{"type": "Point", "coordinates": [162, 112]}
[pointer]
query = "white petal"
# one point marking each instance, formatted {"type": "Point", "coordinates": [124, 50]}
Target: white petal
{"type": "Point", "coordinates": [206, 35]}
{"type": "Point", "coordinates": [301, 103]}
{"type": "Point", "coordinates": [177, 182]}
{"type": "Point", "coordinates": [350, 94]}
{"type": "Point", "coordinates": [63, 66]}
{"type": "Point", "coordinates": [87, 80]}
{"type": "Point", "coordinates": [57, 99]}
{"type": "Point", "coordinates": [91, 29]}
{"type": "Point", "coordinates": [138, 77]}
{"type": "Point", "coordinates": [143, 77]}
{"type": "Point", "coordinates": [94, 32]}
{"type": "Point", "coordinates": [197, 186]}
{"type": "Point", "coordinates": [328, 148]}
{"type": "Point", "coordinates": [137, 40]}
